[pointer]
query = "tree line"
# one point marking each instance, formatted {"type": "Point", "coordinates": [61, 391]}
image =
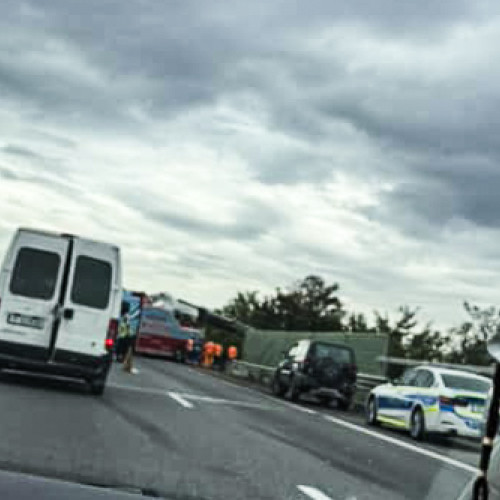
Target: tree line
{"type": "Point", "coordinates": [313, 305]}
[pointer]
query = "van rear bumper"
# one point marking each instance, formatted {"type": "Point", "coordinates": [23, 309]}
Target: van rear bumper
{"type": "Point", "coordinates": [65, 363]}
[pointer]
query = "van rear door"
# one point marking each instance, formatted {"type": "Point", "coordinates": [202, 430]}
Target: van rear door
{"type": "Point", "coordinates": [32, 279]}
{"type": "Point", "coordinates": [91, 299]}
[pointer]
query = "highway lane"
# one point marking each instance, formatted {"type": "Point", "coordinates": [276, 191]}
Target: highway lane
{"type": "Point", "coordinates": [192, 436]}
{"type": "Point", "coordinates": [462, 449]}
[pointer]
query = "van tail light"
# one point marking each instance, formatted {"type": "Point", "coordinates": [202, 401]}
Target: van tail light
{"type": "Point", "coordinates": [111, 335]}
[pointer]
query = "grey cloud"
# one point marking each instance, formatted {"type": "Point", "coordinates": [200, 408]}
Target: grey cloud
{"type": "Point", "coordinates": [23, 152]}
{"type": "Point", "coordinates": [245, 230]}
{"type": "Point", "coordinates": [8, 174]}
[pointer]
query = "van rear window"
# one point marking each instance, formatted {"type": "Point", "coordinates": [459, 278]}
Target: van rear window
{"type": "Point", "coordinates": [91, 282]}
{"type": "Point", "coordinates": [35, 273]}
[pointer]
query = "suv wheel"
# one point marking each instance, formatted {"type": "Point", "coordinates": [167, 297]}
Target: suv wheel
{"type": "Point", "coordinates": [276, 387]}
{"type": "Point", "coordinates": [344, 404]}
{"type": "Point", "coordinates": [97, 386]}
{"type": "Point", "coordinates": [293, 390]}
{"type": "Point", "coordinates": [325, 401]}
{"type": "Point", "coordinates": [371, 411]}
{"type": "Point", "coordinates": [417, 424]}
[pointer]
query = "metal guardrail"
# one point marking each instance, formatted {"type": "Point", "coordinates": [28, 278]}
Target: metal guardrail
{"type": "Point", "coordinates": [262, 374]}
{"type": "Point", "coordinates": [481, 370]}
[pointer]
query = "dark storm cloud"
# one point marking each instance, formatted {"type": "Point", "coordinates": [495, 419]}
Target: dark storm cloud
{"type": "Point", "coordinates": [91, 67]}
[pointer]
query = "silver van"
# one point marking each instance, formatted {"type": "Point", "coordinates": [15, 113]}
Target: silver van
{"type": "Point", "coordinates": [60, 298]}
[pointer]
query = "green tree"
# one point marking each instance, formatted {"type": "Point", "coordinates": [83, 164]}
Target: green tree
{"type": "Point", "coordinates": [470, 338]}
{"type": "Point", "coordinates": [309, 305]}
{"type": "Point", "coordinates": [358, 323]}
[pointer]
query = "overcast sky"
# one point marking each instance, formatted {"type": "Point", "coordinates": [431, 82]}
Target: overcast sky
{"type": "Point", "coordinates": [242, 145]}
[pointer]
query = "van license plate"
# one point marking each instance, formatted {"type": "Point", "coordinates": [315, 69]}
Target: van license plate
{"type": "Point", "coordinates": [24, 320]}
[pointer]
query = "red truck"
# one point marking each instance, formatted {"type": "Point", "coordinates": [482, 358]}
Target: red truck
{"type": "Point", "coordinates": [160, 334]}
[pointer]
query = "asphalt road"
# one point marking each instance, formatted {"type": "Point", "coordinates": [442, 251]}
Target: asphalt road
{"type": "Point", "coordinates": [189, 435]}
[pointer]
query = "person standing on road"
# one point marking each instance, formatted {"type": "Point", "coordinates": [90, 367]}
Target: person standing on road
{"type": "Point", "coordinates": [129, 342]}
{"type": "Point", "coordinates": [121, 339]}
{"type": "Point", "coordinates": [218, 350]}
{"type": "Point", "coordinates": [189, 349]}
{"type": "Point", "coordinates": [232, 352]}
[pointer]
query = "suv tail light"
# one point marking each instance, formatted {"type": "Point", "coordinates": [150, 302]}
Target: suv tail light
{"type": "Point", "coordinates": [111, 335]}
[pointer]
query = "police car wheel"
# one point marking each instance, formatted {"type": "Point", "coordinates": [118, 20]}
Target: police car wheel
{"type": "Point", "coordinates": [371, 411]}
{"type": "Point", "coordinates": [417, 424]}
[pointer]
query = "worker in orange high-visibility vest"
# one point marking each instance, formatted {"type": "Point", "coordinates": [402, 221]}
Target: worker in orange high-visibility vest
{"type": "Point", "coordinates": [218, 351]}
{"type": "Point", "coordinates": [208, 354]}
{"type": "Point", "coordinates": [232, 352]}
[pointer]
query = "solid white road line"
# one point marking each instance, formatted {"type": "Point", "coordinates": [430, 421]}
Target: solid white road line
{"type": "Point", "coordinates": [297, 407]}
{"type": "Point", "coordinates": [136, 388]}
{"type": "Point", "coordinates": [313, 493]}
{"type": "Point", "coordinates": [401, 444]}
{"type": "Point", "coordinates": [180, 400]}
{"type": "Point", "coordinates": [210, 399]}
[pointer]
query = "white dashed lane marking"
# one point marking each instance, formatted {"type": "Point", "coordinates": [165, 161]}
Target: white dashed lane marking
{"type": "Point", "coordinates": [186, 398]}
{"type": "Point", "coordinates": [180, 400]}
{"type": "Point", "coordinates": [313, 493]}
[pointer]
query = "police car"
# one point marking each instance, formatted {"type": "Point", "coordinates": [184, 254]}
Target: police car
{"type": "Point", "coordinates": [430, 399]}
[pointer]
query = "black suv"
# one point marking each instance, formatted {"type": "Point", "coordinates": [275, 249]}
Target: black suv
{"type": "Point", "coordinates": [322, 369]}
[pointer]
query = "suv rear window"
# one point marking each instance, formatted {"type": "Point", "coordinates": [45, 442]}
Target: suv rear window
{"type": "Point", "coordinates": [35, 273]}
{"type": "Point", "coordinates": [465, 383]}
{"type": "Point", "coordinates": [91, 282]}
{"type": "Point", "coordinates": [337, 353]}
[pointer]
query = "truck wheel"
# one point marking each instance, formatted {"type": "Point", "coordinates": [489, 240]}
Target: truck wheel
{"type": "Point", "coordinates": [417, 424]}
{"type": "Point", "coordinates": [179, 356]}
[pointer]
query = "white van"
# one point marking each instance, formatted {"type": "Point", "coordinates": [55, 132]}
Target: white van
{"type": "Point", "coordinates": [60, 300]}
